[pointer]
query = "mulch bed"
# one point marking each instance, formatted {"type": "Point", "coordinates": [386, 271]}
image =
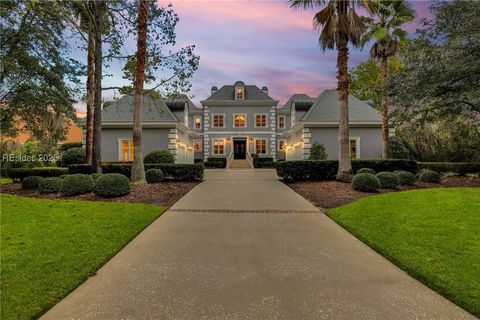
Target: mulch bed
{"type": "Point", "coordinates": [330, 194]}
{"type": "Point", "coordinates": [164, 194]}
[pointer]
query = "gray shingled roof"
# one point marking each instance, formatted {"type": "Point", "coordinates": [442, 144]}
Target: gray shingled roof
{"type": "Point", "coordinates": [227, 92]}
{"type": "Point", "coordinates": [325, 109]}
{"type": "Point", "coordinates": [154, 110]}
{"type": "Point", "coordinates": [299, 98]}
{"type": "Point", "coordinates": [176, 103]}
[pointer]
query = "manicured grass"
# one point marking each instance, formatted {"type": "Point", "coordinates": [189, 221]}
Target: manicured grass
{"type": "Point", "coordinates": [5, 181]}
{"type": "Point", "coordinates": [433, 234]}
{"type": "Point", "coordinates": [49, 247]}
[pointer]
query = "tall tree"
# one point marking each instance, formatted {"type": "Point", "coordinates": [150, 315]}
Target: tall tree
{"type": "Point", "coordinates": [339, 25]}
{"type": "Point", "coordinates": [384, 26]}
{"type": "Point", "coordinates": [138, 170]}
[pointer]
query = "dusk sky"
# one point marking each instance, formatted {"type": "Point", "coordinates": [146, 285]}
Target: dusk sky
{"type": "Point", "coordinates": [263, 43]}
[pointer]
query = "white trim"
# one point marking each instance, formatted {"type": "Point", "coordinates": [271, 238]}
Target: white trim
{"type": "Point", "coordinates": [239, 114]}
{"type": "Point", "coordinates": [255, 120]}
{"type": "Point", "coordinates": [255, 146]}
{"type": "Point", "coordinates": [213, 120]}
{"type": "Point", "coordinates": [119, 148]}
{"type": "Point", "coordinates": [213, 147]}
{"type": "Point", "coordinates": [357, 147]}
{"type": "Point", "coordinates": [284, 122]}
{"type": "Point", "coordinates": [195, 122]}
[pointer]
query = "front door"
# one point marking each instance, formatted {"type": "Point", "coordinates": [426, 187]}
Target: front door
{"type": "Point", "coordinates": [239, 149]}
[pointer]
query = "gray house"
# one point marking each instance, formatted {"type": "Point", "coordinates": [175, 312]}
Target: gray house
{"type": "Point", "coordinates": [238, 121]}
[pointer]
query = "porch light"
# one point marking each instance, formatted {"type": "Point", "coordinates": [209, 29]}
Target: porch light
{"type": "Point", "coordinates": [251, 140]}
{"type": "Point", "coordinates": [228, 140]}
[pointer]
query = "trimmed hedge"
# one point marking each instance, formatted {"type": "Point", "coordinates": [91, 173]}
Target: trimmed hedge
{"type": "Point", "coordinates": [429, 176]}
{"type": "Point", "coordinates": [31, 182]}
{"type": "Point", "coordinates": [262, 162]}
{"type": "Point", "coordinates": [50, 185]}
{"type": "Point", "coordinates": [365, 170]}
{"type": "Point", "coordinates": [159, 156]}
{"type": "Point", "coordinates": [461, 168]}
{"type": "Point", "coordinates": [95, 175]}
{"type": "Point", "coordinates": [73, 156]}
{"type": "Point", "coordinates": [69, 145]}
{"type": "Point", "coordinates": [379, 165]}
{"type": "Point", "coordinates": [21, 173]}
{"type": "Point", "coordinates": [405, 177]}
{"type": "Point", "coordinates": [365, 182]}
{"type": "Point", "coordinates": [388, 180]}
{"type": "Point", "coordinates": [154, 175]}
{"type": "Point", "coordinates": [213, 162]}
{"type": "Point", "coordinates": [80, 168]}
{"type": "Point", "coordinates": [112, 185]}
{"type": "Point", "coordinates": [76, 184]}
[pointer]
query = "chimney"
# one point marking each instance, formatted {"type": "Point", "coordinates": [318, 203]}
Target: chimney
{"type": "Point", "coordinates": [265, 90]}
{"type": "Point", "coordinates": [214, 89]}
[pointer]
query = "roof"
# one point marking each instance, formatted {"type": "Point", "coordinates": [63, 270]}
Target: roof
{"type": "Point", "coordinates": [227, 92]}
{"type": "Point", "coordinates": [325, 109]}
{"type": "Point", "coordinates": [178, 103]}
{"type": "Point", "coordinates": [302, 102]}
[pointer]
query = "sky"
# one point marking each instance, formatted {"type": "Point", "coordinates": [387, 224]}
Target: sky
{"type": "Point", "coordinates": [264, 43]}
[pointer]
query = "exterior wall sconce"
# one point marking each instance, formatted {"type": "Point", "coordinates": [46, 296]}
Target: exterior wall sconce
{"type": "Point", "coordinates": [178, 140]}
{"type": "Point", "coordinates": [251, 140]}
{"type": "Point", "coordinates": [228, 140]}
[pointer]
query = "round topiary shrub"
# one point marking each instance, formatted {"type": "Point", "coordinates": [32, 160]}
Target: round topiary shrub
{"type": "Point", "coordinates": [76, 184]}
{"type": "Point", "coordinates": [429, 176]}
{"type": "Point", "coordinates": [63, 176]}
{"type": "Point", "coordinates": [95, 175]}
{"type": "Point", "coordinates": [405, 177]}
{"type": "Point", "coordinates": [31, 182]}
{"type": "Point", "coordinates": [159, 156]}
{"type": "Point", "coordinates": [154, 175]}
{"type": "Point", "coordinates": [112, 185]}
{"type": "Point", "coordinates": [366, 170]}
{"type": "Point", "coordinates": [365, 182]}
{"type": "Point", "coordinates": [50, 185]}
{"type": "Point", "coordinates": [73, 156]}
{"type": "Point", "coordinates": [388, 180]}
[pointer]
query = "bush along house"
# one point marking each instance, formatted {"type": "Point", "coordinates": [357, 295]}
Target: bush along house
{"type": "Point", "coordinates": [238, 126]}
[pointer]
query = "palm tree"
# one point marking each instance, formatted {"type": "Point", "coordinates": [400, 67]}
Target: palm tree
{"type": "Point", "coordinates": [138, 170]}
{"type": "Point", "coordinates": [384, 28]}
{"type": "Point", "coordinates": [339, 25]}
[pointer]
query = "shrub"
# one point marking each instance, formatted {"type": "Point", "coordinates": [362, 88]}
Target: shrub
{"type": "Point", "coordinates": [405, 177]}
{"type": "Point", "coordinates": [69, 145]}
{"type": "Point", "coordinates": [125, 169]}
{"type": "Point", "coordinates": [72, 156]}
{"type": "Point", "coordinates": [388, 180]}
{"type": "Point", "coordinates": [366, 170]}
{"type": "Point", "coordinates": [307, 169]}
{"type": "Point", "coordinates": [317, 152]}
{"type": "Point", "coordinates": [80, 168]}
{"type": "Point", "coordinates": [31, 182]}
{"type": "Point", "coordinates": [159, 156]}
{"type": "Point", "coordinates": [365, 182]}
{"type": "Point", "coordinates": [181, 171]}
{"type": "Point", "coordinates": [112, 185]}
{"type": "Point", "coordinates": [154, 175]}
{"type": "Point", "coordinates": [379, 165]}
{"type": "Point", "coordinates": [397, 148]}
{"type": "Point", "coordinates": [50, 185]}
{"type": "Point", "coordinates": [76, 184]}
{"type": "Point", "coordinates": [216, 162]}
{"type": "Point", "coordinates": [262, 162]}
{"type": "Point", "coordinates": [21, 173]}
{"type": "Point", "coordinates": [461, 168]}
{"type": "Point", "coordinates": [429, 176]}
{"type": "Point", "coordinates": [63, 176]}
{"type": "Point", "coordinates": [95, 175]}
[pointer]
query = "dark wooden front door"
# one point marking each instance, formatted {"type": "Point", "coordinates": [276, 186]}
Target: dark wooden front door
{"type": "Point", "coordinates": [239, 149]}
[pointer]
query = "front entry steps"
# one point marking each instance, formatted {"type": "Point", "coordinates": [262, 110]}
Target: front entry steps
{"type": "Point", "coordinates": [239, 164]}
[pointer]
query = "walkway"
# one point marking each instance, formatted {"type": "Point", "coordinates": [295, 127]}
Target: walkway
{"type": "Point", "coordinates": [242, 245]}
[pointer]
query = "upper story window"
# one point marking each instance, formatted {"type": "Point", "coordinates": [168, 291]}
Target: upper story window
{"type": "Point", "coordinates": [239, 120]}
{"type": "Point", "coordinates": [260, 120]}
{"type": "Point", "coordinates": [218, 120]}
{"type": "Point", "coordinates": [198, 122]}
{"type": "Point", "coordinates": [281, 122]}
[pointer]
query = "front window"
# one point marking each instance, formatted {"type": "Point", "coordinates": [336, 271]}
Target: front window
{"type": "Point", "coordinates": [261, 146]}
{"type": "Point", "coordinates": [260, 120]}
{"type": "Point", "coordinates": [239, 94]}
{"type": "Point", "coordinates": [281, 145]}
{"type": "Point", "coordinates": [126, 150]}
{"type": "Point", "coordinates": [198, 145]}
{"type": "Point", "coordinates": [239, 120]}
{"type": "Point", "coordinates": [354, 146]}
{"type": "Point", "coordinates": [281, 122]}
{"type": "Point", "coordinates": [198, 122]}
{"type": "Point", "coordinates": [218, 121]}
{"type": "Point", "coordinates": [219, 147]}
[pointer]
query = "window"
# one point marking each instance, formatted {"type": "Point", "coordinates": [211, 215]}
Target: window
{"type": "Point", "coordinates": [218, 120]}
{"type": "Point", "coordinates": [198, 122]}
{"type": "Point", "coordinates": [126, 150]}
{"type": "Point", "coordinates": [218, 146]}
{"type": "Point", "coordinates": [260, 120]}
{"type": "Point", "coordinates": [239, 94]}
{"type": "Point", "coordinates": [281, 122]}
{"type": "Point", "coordinates": [239, 120]}
{"type": "Point", "coordinates": [281, 145]}
{"type": "Point", "coordinates": [198, 145]}
{"type": "Point", "coordinates": [354, 148]}
{"type": "Point", "coordinates": [261, 146]}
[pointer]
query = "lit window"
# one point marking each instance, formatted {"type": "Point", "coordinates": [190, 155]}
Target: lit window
{"type": "Point", "coordinates": [218, 120]}
{"type": "Point", "coordinates": [261, 146]}
{"type": "Point", "coordinates": [239, 120]}
{"type": "Point", "coordinates": [218, 146]}
{"type": "Point", "coordinates": [281, 122]}
{"type": "Point", "coordinates": [198, 145]}
{"type": "Point", "coordinates": [354, 148]}
{"type": "Point", "coordinates": [198, 122]}
{"type": "Point", "coordinates": [260, 120]}
{"type": "Point", "coordinates": [281, 145]}
{"type": "Point", "coordinates": [239, 94]}
{"type": "Point", "coordinates": [127, 150]}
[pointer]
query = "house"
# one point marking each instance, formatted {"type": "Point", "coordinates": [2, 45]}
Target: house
{"type": "Point", "coordinates": [237, 121]}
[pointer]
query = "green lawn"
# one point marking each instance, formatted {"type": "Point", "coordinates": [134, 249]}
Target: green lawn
{"type": "Point", "coordinates": [433, 234]}
{"type": "Point", "coordinates": [5, 181]}
{"type": "Point", "coordinates": [49, 247]}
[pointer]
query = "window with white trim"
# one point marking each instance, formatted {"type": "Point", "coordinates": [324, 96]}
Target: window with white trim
{"type": "Point", "coordinates": [281, 145]}
{"type": "Point", "coordinates": [198, 145]}
{"type": "Point", "coordinates": [261, 120]}
{"type": "Point", "coordinates": [218, 146]}
{"type": "Point", "coordinates": [281, 122]}
{"type": "Point", "coordinates": [354, 148]}
{"type": "Point", "coordinates": [218, 121]}
{"type": "Point", "coordinates": [240, 120]}
{"type": "Point", "coordinates": [261, 146]}
{"type": "Point", "coordinates": [198, 122]}
{"type": "Point", "coordinates": [239, 93]}
{"type": "Point", "coordinates": [126, 150]}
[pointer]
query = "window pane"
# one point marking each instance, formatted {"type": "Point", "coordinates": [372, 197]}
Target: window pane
{"type": "Point", "coordinates": [239, 120]}
{"type": "Point", "coordinates": [353, 148]}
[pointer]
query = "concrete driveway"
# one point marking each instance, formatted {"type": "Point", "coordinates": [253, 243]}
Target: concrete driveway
{"type": "Point", "coordinates": [242, 245]}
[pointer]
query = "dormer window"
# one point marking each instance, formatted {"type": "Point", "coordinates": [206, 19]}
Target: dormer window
{"type": "Point", "coordinates": [239, 94]}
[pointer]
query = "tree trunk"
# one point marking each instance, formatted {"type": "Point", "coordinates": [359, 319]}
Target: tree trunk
{"type": "Point", "coordinates": [384, 109]}
{"type": "Point", "coordinates": [138, 170]}
{"type": "Point", "coordinates": [344, 164]}
{"type": "Point", "coordinates": [90, 94]}
{"type": "Point", "coordinates": [97, 116]}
